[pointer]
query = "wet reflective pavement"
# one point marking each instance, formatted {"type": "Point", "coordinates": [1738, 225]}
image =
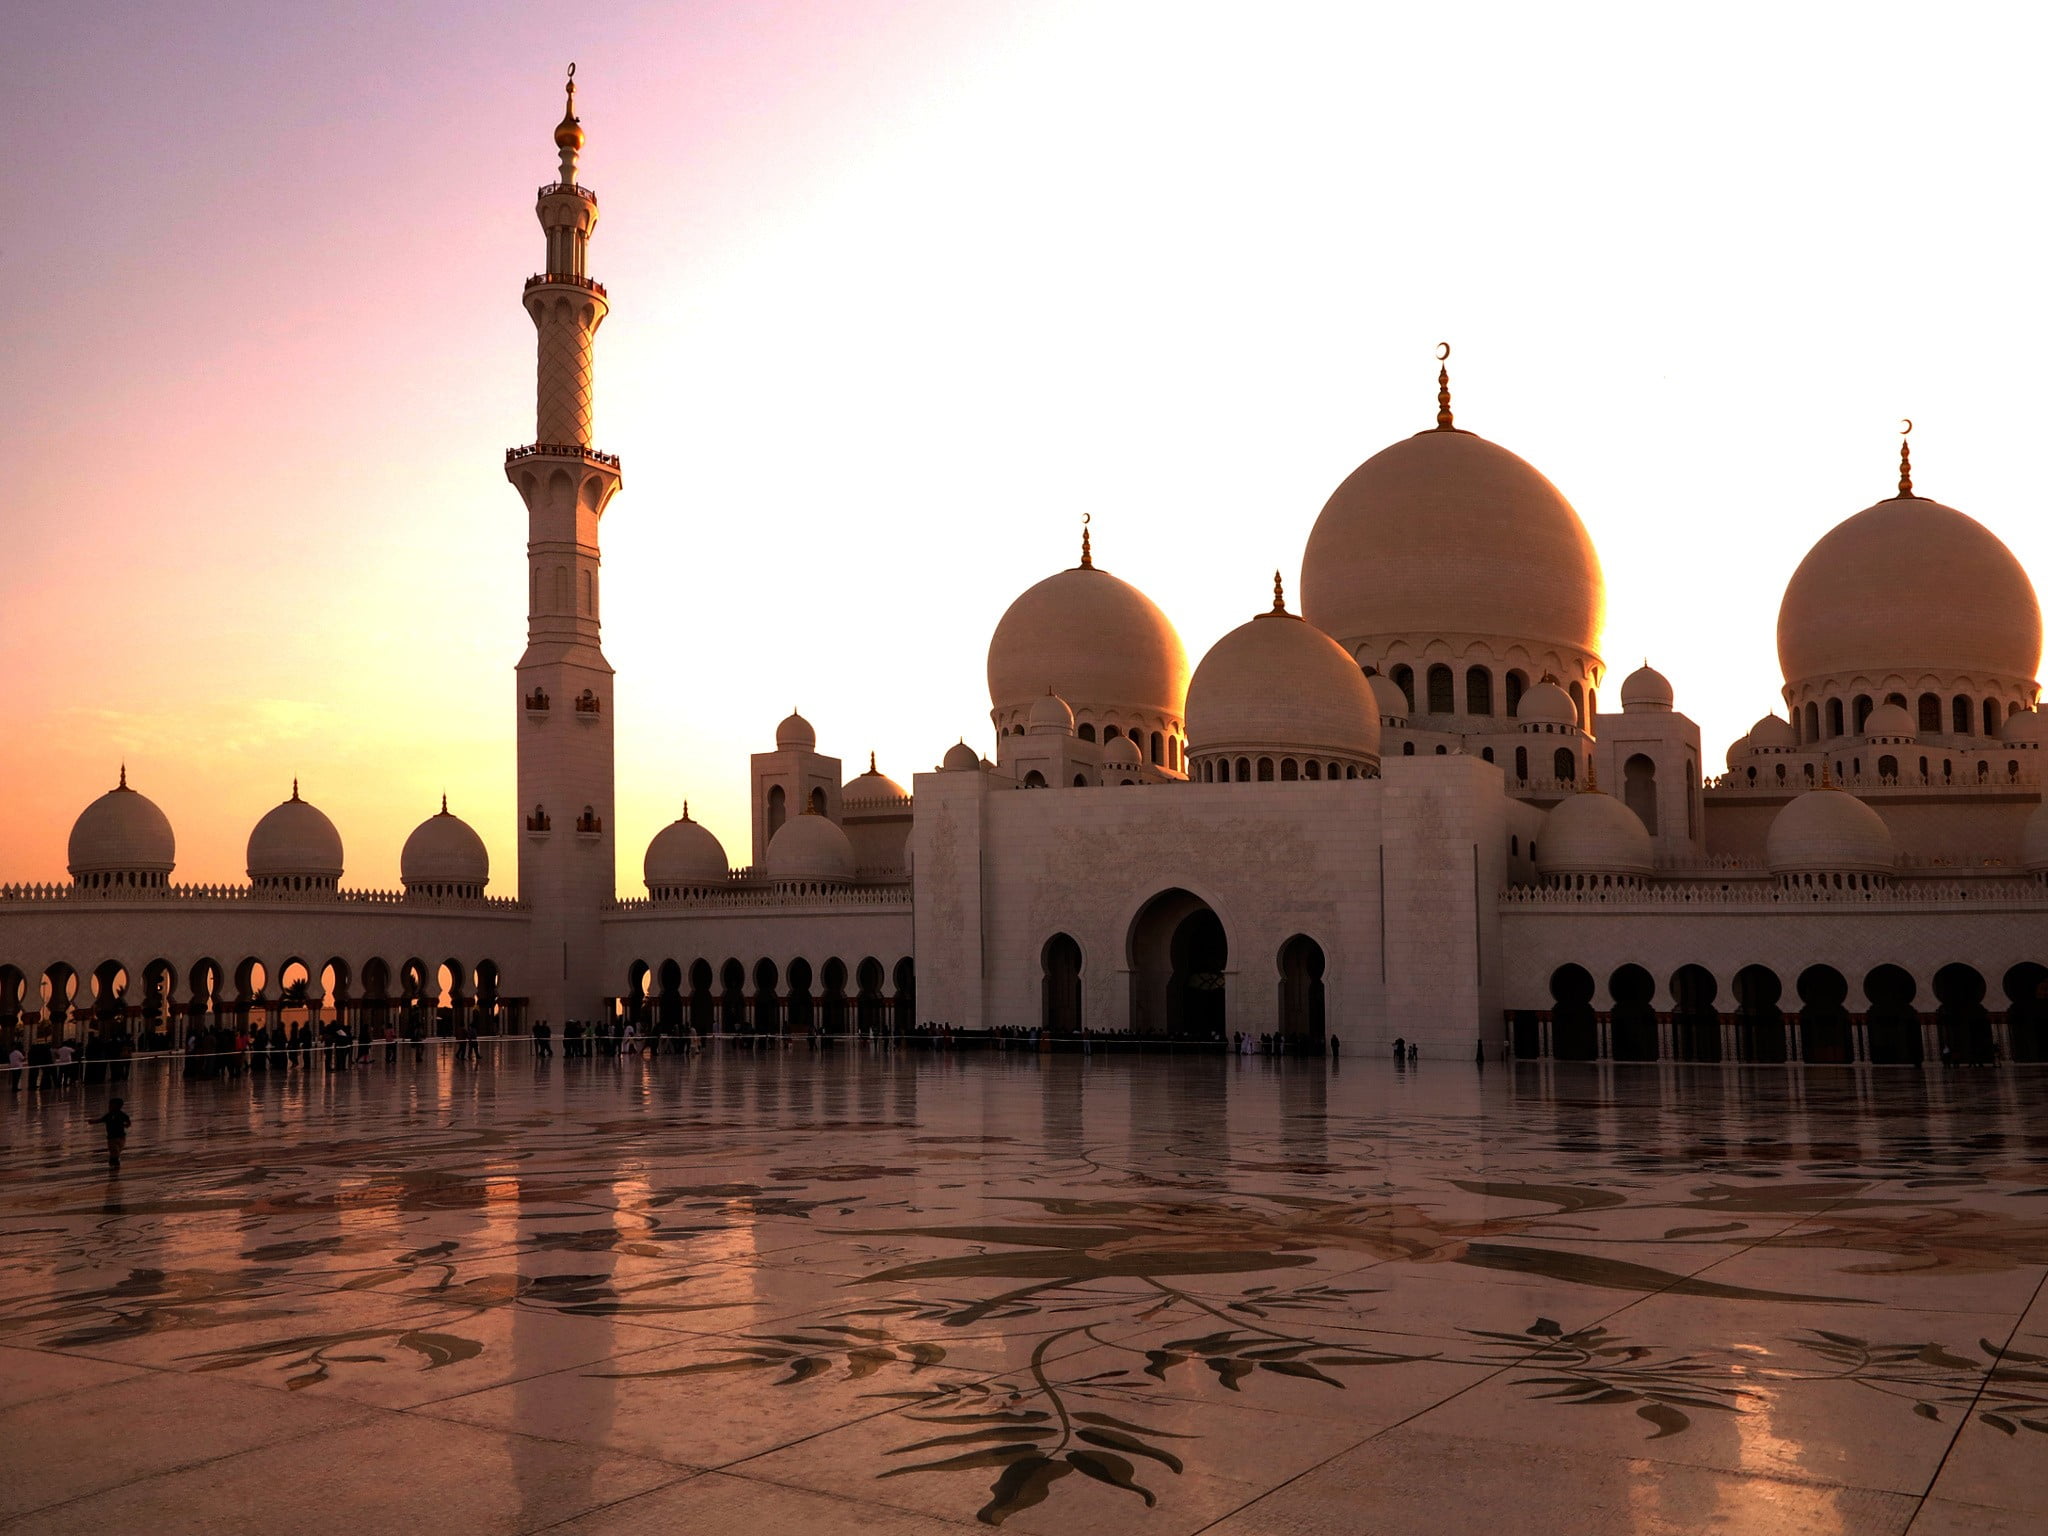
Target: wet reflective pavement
{"type": "Point", "coordinates": [855, 1291]}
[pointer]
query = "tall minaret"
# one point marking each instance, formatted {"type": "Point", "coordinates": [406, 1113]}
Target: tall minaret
{"type": "Point", "coordinates": [565, 684]}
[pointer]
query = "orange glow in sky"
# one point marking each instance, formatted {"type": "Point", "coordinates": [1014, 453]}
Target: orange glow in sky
{"type": "Point", "coordinates": [899, 292]}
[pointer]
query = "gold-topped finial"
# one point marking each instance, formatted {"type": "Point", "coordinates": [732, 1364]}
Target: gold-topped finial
{"type": "Point", "coordinates": [1279, 595]}
{"type": "Point", "coordinates": [295, 786]}
{"type": "Point", "coordinates": [444, 802]}
{"type": "Point", "coordinates": [569, 132]}
{"type": "Point", "coordinates": [124, 777]}
{"type": "Point", "coordinates": [1087, 546]}
{"type": "Point", "coordinates": [871, 763]}
{"type": "Point", "coordinates": [1443, 388]}
{"type": "Point", "coordinates": [686, 810]}
{"type": "Point", "coordinates": [1906, 460]}
{"type": "Point", "coordinates": [1592, 775]}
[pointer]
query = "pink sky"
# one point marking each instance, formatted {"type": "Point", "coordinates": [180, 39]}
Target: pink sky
{"type": "Point", "coordinates": [899, 292]}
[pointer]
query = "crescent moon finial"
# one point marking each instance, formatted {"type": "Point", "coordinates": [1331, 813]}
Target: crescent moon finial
{"type": "Point", "coordinates": [1443, 351]}
{"type": "Point", "coordinates": [1443, 388]}
{"type": "Point", "coordinates": [1905, 425]}
{"type": "Point", "coordinates": [1087, 546]}
{"type": "Point", "coordinates": [1905, 459]}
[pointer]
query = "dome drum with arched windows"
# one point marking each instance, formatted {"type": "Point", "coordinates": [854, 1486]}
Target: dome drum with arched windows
{"type": "Point", "coordinates": [445, 859]}
{"type": "Point", "coordinates": [294, 850]}
{"type": "Point", "coordinates": [122, 842]}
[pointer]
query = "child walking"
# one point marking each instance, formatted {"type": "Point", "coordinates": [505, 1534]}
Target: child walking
{"type": "Point", "coordinates": [117, 1121]}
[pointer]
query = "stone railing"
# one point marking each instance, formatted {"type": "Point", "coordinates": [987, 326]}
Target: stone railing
{"type": "Point", "coordinates": [1997, 782]}
{"type": "Point", "coordinates": [875, 803]}
{"type": "Point", "coordinates": [192, 895]}
{"type": "Point", "coordinates": [567, 186]}
{"type": "Point", "coordinates": [565, 280]}
{"type": "Point", "coordinates": [1658, 894]}
{"type": "Point", "coordinates": [561, 451]}
{"type": "Point", "coordinates": [763, 895]}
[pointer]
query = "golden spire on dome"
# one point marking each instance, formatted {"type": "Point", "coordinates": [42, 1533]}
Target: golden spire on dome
{"type": "Point", "coordinates": [1087, 547]}
{"type": "Point", "coordinates": [686, 810]}
{"type": "Point", "coordinates": [444, 802]}
{"type": "Point", "coordinates": [124, 777]}
{"type": "Point", "coordinates": [1592, 775]}
{"type": "Point", "coordinates": [871, 763]}
{"type": "Point", "coordinates": [1827, 780]}
{"type": "Point", "coordinates": [295, 786]}
{"type": "Point", "coordinates": [1906, 460]}
{"type": "Point", "coordinates": [1443, 388]}
{"type": "Point", "coordinates": [569, 132]}
{"type": "Point", "coordinates": [1279, 599]}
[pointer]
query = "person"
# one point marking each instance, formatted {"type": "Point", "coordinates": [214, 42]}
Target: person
{"type": "Point", "coordinates": [117, 1121]}
{"type": "Point", "coordinates": [67, 1058]}
{"type": "Point", "coordinates": [1400, 1050]}
{"type": "Point", "coordinates": [17, 1066]}
{"type": "Point", "coordinates": [1414, 1053]}
{"type": "Point", "coordinates": [1479, 1053]}
{"type": "Point", "coordinates": [1336, 1047]}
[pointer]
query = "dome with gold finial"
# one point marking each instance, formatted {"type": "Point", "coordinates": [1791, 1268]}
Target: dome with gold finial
{"type": "Point", "coordinates": [569, 132]}
{"type": "Point", "coordinates": [122, 840]}
{"type": "Point", "coordinates": [294, 848]}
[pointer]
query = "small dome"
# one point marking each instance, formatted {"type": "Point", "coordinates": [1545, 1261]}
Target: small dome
{"type": "Point", "coordinates": [122, 833]}
{"type": "Point", "coordinates": [1771, 732]}
{"type": "Point", "coordinates": [795, 735]}
{"type": "Point", "coordinates": [444, 850]}
{"type": "Point", "coordinates": [1828, 831]}
{"type": "Point", "coordinates": [684, 853]}
{"type": "Point", "coordinates": [872, 785]}
{"type": "Point", "coordinates": [1279, 683]}
{"type": "Point", "coordinates": [2034, 840]}
{"type": "Point", "coordinates": [809, 848]}
{"type": "Point", "coordinates": [1889, 720]}
{"type": "Point", "coordinates": [294, 839]}
{"type": "Point", "coordinates": [1738, 753]}
{"type": "Point", "coordinates": [1122, 752]}
{"type": "Point", "coordinates": [1591, 833]}
{"type": "Point", "coordinates": [1391, 702]}
{"type": "Point", "coordinates": [2024, 729]}
{"type": "Point", "coordinates": [1878, 595]}
{"type": "Point", "coordinates": [1645, 689]}
{"type": "Point", "coordinates": [960, 757]}
{"type": "Point", "coordinates": [1545, 703]}
{"type": "Point", "coordinates": [1096, 641]}
{"type": "Point", "coordinates": [1050, 716]}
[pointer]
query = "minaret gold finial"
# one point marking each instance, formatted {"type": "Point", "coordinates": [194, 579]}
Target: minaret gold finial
{"type": "Point", "coordinates": [569, 132]}
{"type": "Point", "coordinates": [1905, 459]}
{"type": "Point", "coordinates": [1443, 388]}
{"type": "Point", "coordinates": [1087, 546]}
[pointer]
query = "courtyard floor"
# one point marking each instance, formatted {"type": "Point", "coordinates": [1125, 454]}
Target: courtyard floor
{"type": "Point", "coordinates": [851, 1291]}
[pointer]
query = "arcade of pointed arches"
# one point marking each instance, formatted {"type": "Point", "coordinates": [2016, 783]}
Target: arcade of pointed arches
{"type": "Point", "coordinates": [800, 996]}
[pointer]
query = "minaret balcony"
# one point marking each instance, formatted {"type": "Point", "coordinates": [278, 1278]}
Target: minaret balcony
{"type": "Point", "coordinates": [581, 451]}
{"type": "Point", "coordinates": [554, 187]}
{"type": "Point", "coordinates": [564, 280]}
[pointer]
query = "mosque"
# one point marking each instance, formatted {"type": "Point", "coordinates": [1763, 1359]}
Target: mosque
{"type": "Point", "coordinates": [1399, 811]}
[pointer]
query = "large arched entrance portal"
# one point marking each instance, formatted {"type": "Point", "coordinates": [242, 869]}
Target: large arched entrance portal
{"type": "Point", "coordinates": [1178, 956]}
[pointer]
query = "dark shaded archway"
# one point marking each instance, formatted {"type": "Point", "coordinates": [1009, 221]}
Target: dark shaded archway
{"type": "Point", "coordinates": [1892, 1025]}
{"type": "Point", "coordinates": [1178, 956]}
{"type": "Point", "coordinates": [1632, 1023]}
{"type": "Point", "coordinates": [767, 1003]}
{"type": "Point", "coordinates": [703, 1009]}
{"type": "Point", "coordinates": [905, 978]}
{"type": "Point", "coordinates": [832, 1007]}
{"type": "Point", "coordinates": [1574, 1032]}
{"type": "Point", "coordinates": [1961, 1018]}
{"type": "Point", "coordinates": [1825, 1034]}
{"type": "Point", "coordinates": [1759, 1024]}
{"type": "Point", "coordinates": [2026, 1011]}
{"type": "Point", "coordinates": [803, 1011]}
{"type": "Point", "coordinates": [1301, 989]}
{"type": "Point", "coordinates": [1695, 1020]}
{"type": "Point", "coordinates": [732, 997]}
{"type": "Point", "coordinates": [867, 1001]}
{"type": "Point", "coordinates": [1059, 988]}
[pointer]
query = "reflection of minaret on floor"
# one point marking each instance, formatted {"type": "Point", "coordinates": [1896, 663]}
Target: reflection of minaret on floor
{"type": "Point", "coordinates": [564, 683]}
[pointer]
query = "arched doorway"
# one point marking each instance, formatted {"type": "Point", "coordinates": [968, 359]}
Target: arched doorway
{"type": "Point", "coordinates": [1178, 954]}
{"type": "Point", "coordinates": [1639, 789]}
{"type": "Point", "coordinates": [767, 1005]}
{"type": "Point", "coordinates": [1301, 990]}
{"type": "Point", "coordinates": [732, 997]}
{"type": "Point", "coordinates": [2026, 1011]}
{"type": "Point", "coordinates": [1574, 1032]}
{"type": "Point", "coordinates": [1759, 1025]}
{"type": "Point", "coordinates": [1824, 1031]}
{"type": "Point", "coordinates": [1632, 1025]}
{"type": "Point", "coordinates": [703, 1014]}
{"type": "Point", "coordinates": [832, 1010]}
{"type": "Point", "coordinates": [802, 1011]}
{"type": "Point", "coordinates": [867, 998]}
{"type": "Point", "coordinates": [1059, 967]}
{"type": "Point", "coordinates": [1892, 1026]}
{"type": "Point", "coordinates": [905, 977]}
{"type": "Point", "coordinates": [1695, 1021]}
{"type": "Point", "coordinates": [1964, 1024]}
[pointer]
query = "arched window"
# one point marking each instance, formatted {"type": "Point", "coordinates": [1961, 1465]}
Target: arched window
{"type": "Point", "coordinates": [778, 809]}
{"type": "Point", "coordinates": [1896, 698]}
{"type": "Point", "coordinates": [1442, 750]}
{"type": "Point", "coordinates": [1834, 717]}
{"type": "Point", "coordinates": [1085, 732]}
{"type": "Point", "coordinates": [1478, 691]}
{"type": "Point", "coordinates": [1265, 770]}
{"type": "Point", "coordinates": [1404, 679]}
{"type": "Point", "coordinates": [1032, 780]}
{"type": "Point", "coordinates": [533, 590]}
{"type": "Point", "coordinates": [1486, 753]}
{"type": "Point", "coordinates": [1314, 769]}
{"type": "Point", "coordinates": [1959, 714]}
{"type": "Point", "coordinates": [1173, 752]}
{"type": "Point", "coordinates": [1244, 770]}
{"type": "Point", "coordinates": [1222, 767]}
{"type": "Point", "coordinates": [1407, 749]}
{"type": "Point", "coordinates": [1991, 717]}
{"type": "Point", "coordinates": [1564, 766]}
{"type": "Point", "coordinates": [589, 592]}
{"type": "Point", "coordinates": [1080, 781]}
{"type": "Point", "coordinates": [1781, 773]}
{"type": "Point", "coordinates": [1514, 846]}
{"type": "Point", "coordinates": [1111, 732]}
{"type": "Point", "coordinates": [1517, 681]}
{"type": "Point", "coordinates": [1930, 712]}
{"type": "Point", "coordinates": [1888, 767]}
{"type": "Point", "coordinates": [1923, 770]}
{"type": "Point", "coordinates": [1522, 764]}
{"type": "Point", "coordinates": [1290, 770]}
{"type": "Point", "coordinates": [1578, 694]}
{"type": "Point", "coordinates": [1863, 707]}
{"type": "Point", "coordinates": [1441, 701]}
{"type": "Point", "coordinates": [1158, 750]}
{"type": "Point", "coordinates": [561, 584]}
{"type": "Point", "coordinates": [1639, 789]}
{"type": "Point", "coordinates": [1812, 717]}
{"type": "Point", "coordinates": [818, 801]}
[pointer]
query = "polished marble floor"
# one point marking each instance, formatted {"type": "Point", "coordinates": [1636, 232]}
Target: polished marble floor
{"type": "Point", "coordinates": [852, 1291]}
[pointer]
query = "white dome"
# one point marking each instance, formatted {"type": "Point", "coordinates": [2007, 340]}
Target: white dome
{"type": "Point", "coordinates": [809, 847]}
{"type": "Point", "coordinates": [1123, 752]}
{"type": "Point", "coordinates": [1278, 683]}
{"type": "Point", "coordinates": [1098, 642]}
{"type": "Point", "coordinates": [294, 839]}
{"type": "Point", "coordinates": [122, 833]}
{"type": "Point", "coordinates": [1828, 831]}
{"type": "Point", "coordinates": [1446, 533]}
{"type": "Point", "coordinates": [1050, 716]}
{"type": "Point", "coordinates": [1889, 720]}
{"type": "Point", "coordinates": [1645, 689]}
{"type": "Point", "coordinates": [1591, 833]}
{"type": "Point", "coordinates": [960, 757]}
{"type": "Point", "coordinates": [1738, 753]}
{"type": "Point", "coordinates": [1771, 732]}
{"type": "Point", "coordinates": [684, 853]}
{"type": "Point", "coordinates": [1388, 698]}
{"type": "Point", "coordinates": [444, 850]}
{"type": "Point", "coordinates": [2024, 728]}
{"type": "Point", "coordinates": [1545, 703]}
{"type": "Point", "coordinates": [872, 785]}
{"type": "Point", "coordinates": [2034, 840]}
{"type": "Point", "coordinates": [795, 734]}
{"type": "Point", "coordinates": [1878, 595]}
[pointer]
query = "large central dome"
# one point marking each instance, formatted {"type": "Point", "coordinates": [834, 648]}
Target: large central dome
{"type": "Point", "coordinates": [1447, 534]}
{"type": "Point", "coordinates": [1909, 586]}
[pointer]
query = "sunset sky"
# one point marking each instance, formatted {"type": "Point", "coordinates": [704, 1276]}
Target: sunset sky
{"type": "Point", "coordinates": [900, 291]}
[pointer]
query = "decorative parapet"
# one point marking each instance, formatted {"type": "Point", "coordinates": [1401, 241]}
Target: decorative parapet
{"type": "Point", "coordinates": [567, 186]}
{"type": "Point", "coordinates": [561, 451]}
{"type": "Point", "coordinates": [245, 895]}
{"type": "Point", "coordinates": [876, 804]}
{"type": "Point", "coordinates": [565, 280]}
{"type": "Point", "coordinates": [1737, 785]}
{"type": "Point", "coordinates": [1661, 895]}
{"type": "Point", "coordinates": [761, 896]}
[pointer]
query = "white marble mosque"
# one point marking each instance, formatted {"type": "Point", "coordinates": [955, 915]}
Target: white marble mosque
{"type": "Point", "coordinates": [1400, 811]}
